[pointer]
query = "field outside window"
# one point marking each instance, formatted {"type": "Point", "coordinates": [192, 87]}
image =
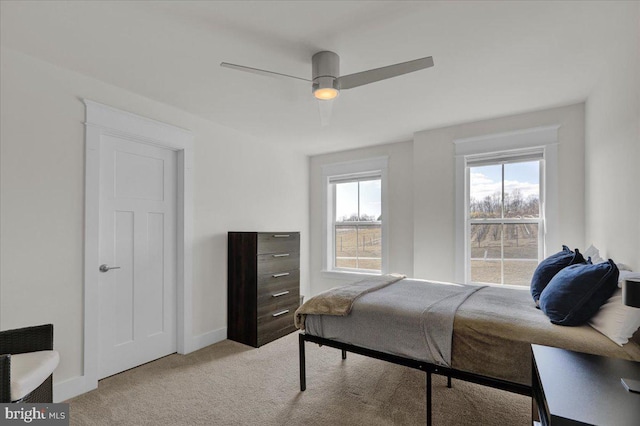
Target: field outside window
{"type": "Point", "coordinates": [505, 222]}
{"type": "Point", "coordinates": [357, 226]}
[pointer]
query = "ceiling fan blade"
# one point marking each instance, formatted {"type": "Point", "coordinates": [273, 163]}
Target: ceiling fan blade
{"type": "Point", "coordinates": [371, 76]}
{"type": "Point", "coordinates": [260, 72]}
{"type": "Point", "coordinates": [325, 107]}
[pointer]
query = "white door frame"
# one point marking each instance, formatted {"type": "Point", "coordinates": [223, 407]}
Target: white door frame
{"type": "Point", "coordinates": [104, 120]}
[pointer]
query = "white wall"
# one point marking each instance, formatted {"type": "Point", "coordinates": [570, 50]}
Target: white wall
{"type": "Point", "coordinates": [400, 201]}
{"type": "Point", "coordinates": [434, 180]}
{"type": "Point", "coordinates": [613, 147]}
{"type": "Point", "coordinates": [240, 184]}
{"type": "Point", "coordinates": [421, 187]}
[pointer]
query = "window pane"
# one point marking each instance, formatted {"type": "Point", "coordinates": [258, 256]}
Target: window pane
{"type": "Point", "coordinates": [519, 272]}
{"type": "Point", "coordinates": [346, 201]}
{"type": "Point", "coordinates": [522, 189]}
{"type": "Point", "coordinates": [521, 241]}
{"type": "Point", "coordinates": [370, 200]}
{"type": "Point", "coordinates": [485, 192]}
{"type": "Point", "coordinates": [485, 241]}
{"type": "Point", "coordinates": [486, 253]}
{"type": "Point", "coordinates": [358, 247]}
{"type": "Point", "coordinates": [370, 250]}
{"type": "Point", "coordinates": [346, 250]}
{"type": "Point", "coordinates": [504, 253]}
{"type": "Point", "coordinates": [486, 271]}
{"type": "Point", "coordinates": [520, 252]}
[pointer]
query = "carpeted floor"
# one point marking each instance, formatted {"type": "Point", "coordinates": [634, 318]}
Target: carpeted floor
{"type": "Point", "coordinates": [232, 384]}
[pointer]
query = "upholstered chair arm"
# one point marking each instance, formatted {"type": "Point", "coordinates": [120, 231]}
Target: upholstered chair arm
{"type": "Point", "coordinates": [28, 339]}
{"type": "Point", "coordinates": [5, 378]}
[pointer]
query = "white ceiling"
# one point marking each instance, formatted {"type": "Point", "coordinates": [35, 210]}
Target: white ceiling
{"type": "Point", "coordinates": [491, 59]}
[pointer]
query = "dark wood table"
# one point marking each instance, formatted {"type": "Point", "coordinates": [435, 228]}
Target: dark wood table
{"type": "Point", "coordinates": [573, 388]}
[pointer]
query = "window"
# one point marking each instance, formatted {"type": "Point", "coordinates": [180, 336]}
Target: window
{"type": "Point", "coordinates": [357, 226]}
{"type": "Point", "coordinates": [355, 216]}
{"type": "Point", "coordinates": [504, 220]}
{"type": "Point", "coordinates": [506, 205]}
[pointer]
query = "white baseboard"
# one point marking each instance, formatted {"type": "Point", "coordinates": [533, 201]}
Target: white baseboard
{"type": "Point", "coordinates": [206, 339]}
{"type": "Point", "coordinates": [69, 388]}
{"type": "Point", "coordinates": [78, 385]}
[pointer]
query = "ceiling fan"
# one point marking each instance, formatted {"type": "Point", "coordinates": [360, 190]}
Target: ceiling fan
{"type": "Point", "coordinates": [326, 81]}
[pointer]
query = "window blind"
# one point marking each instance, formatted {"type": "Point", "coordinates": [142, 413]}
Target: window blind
{"type": "Point", "coordinates": [356, 177]}
{"type": "Point", "coordinates": [504, 157]}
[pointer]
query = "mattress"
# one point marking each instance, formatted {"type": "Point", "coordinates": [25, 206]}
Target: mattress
{"type": "Point", "coordinates": [492, 330]}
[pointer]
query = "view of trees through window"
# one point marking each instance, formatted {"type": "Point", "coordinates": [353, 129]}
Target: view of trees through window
{"type": "Point", "coordinates": [358, 233]}
{"type": "Point", "coordinates": [504, 222]}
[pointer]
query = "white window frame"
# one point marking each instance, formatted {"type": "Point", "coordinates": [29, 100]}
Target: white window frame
{"type": "Point", "coordinates": [502, 158]}
{"type": "Point", "coordinates": [542, 140]}
{"type": "Point", "coordinates": [377, 166]}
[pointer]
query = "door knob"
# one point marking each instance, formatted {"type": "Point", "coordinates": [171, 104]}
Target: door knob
{"type": "Point", "coordinates": [105, 268]}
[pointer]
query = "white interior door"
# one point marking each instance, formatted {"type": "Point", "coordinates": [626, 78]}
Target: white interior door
{"type": "Point", "coordinates": [138, 237]}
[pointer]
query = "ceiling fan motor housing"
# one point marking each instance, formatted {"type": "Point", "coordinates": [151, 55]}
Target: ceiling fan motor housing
{"type": "Point", "coordinates": [325, 70]}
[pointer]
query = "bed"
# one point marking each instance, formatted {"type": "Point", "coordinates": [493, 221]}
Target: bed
{"type": "Point", "coordinates": [488, 342]}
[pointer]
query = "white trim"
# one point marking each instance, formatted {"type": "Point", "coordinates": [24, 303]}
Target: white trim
{"type": "Point", "coordinates": [203, 340]}
{"type": "Point", "coordinates": [544, 138]}
{"type": "Point", "coordinates": [352, 168]}
{"type": "Point", "coordinates": [462, 195]}
{"type": "Point", "coordinates": [355, 166]}
{"type": "Point", "coordinates": [69, 388]}
{"type": "Point", "coordinates": [525, 138]}
{"type": "Point", "coordinates": [347, 275]}
{"type": "Point", "coordinates": [155, 132]}
{"type": "Point", "coordinates": [104, 120]}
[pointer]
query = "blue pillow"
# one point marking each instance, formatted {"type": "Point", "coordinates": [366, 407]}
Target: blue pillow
{"type": "Point", "coordinates": [576, 293]}
{"type": "Point", "coordinates": [549, 267]}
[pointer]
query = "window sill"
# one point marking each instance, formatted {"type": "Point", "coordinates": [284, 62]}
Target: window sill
{"type": "Point", "coordinates": [326, 273]}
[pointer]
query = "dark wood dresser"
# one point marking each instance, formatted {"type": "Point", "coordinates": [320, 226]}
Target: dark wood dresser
{"type": "Point", "coordinates": [263, 285]}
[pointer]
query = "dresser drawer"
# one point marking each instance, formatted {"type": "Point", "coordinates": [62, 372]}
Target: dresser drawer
{"type": "Point", "coordinates": [289, 293]}
{"type": "Point", "coordinates": [279, 262]}
{"type": "Point", "coordinates": [271, 327]}
{"type": "Point", "coordinates": [273, 333]}
{"type": "Point", "coordinates": [283, 242]}
{"type": "Point", "coordinates": [270, 304]}
{"type": "Point", "coordinates": [279, 314]}
{"type": "Point", "coordinates": [278, 281]}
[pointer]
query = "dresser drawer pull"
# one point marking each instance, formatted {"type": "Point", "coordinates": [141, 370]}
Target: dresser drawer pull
{"type": "Point", "coordinates": [282, 274]}
{"type": "Point", "coordinates": [281, 236]}
{"type": "Point", "coordinates": [281, 255]}
{"type": "Point", "coordinates": [277, 314]}
{"type": "Point", "coordinates": [282, 293]}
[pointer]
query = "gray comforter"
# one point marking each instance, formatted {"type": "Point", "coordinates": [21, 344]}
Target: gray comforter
{"type": "Point", "coordinates": [492, 328]}
{"type": "Point", "coordinates": [400, 318]}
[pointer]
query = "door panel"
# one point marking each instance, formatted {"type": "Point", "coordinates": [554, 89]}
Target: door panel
{"type": "Point", "coordinates": [138, 177]}
{"type": "Point", "coordinates": [138, 235]}
{"type": "Point", "coordinates": [121, 280]}
{"type": "Point", "coordinates": [155, 292]}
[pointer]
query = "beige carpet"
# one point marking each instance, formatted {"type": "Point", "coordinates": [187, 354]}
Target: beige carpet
{"type": "Point", "coordinates": [232, 384]}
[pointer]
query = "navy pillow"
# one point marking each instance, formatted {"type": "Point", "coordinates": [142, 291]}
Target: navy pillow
{"type": "Point", "coordinates": [549, 267]}
{"type": "Point", "coordinates": [576, 293]}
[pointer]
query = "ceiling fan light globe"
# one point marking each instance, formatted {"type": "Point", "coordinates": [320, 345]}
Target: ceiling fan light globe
{"type": "Point", "coordinates": [326, 93]}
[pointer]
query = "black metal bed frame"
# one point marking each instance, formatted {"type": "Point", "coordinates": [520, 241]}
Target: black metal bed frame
{"type": "Point", "coordinates": [428, 368]}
